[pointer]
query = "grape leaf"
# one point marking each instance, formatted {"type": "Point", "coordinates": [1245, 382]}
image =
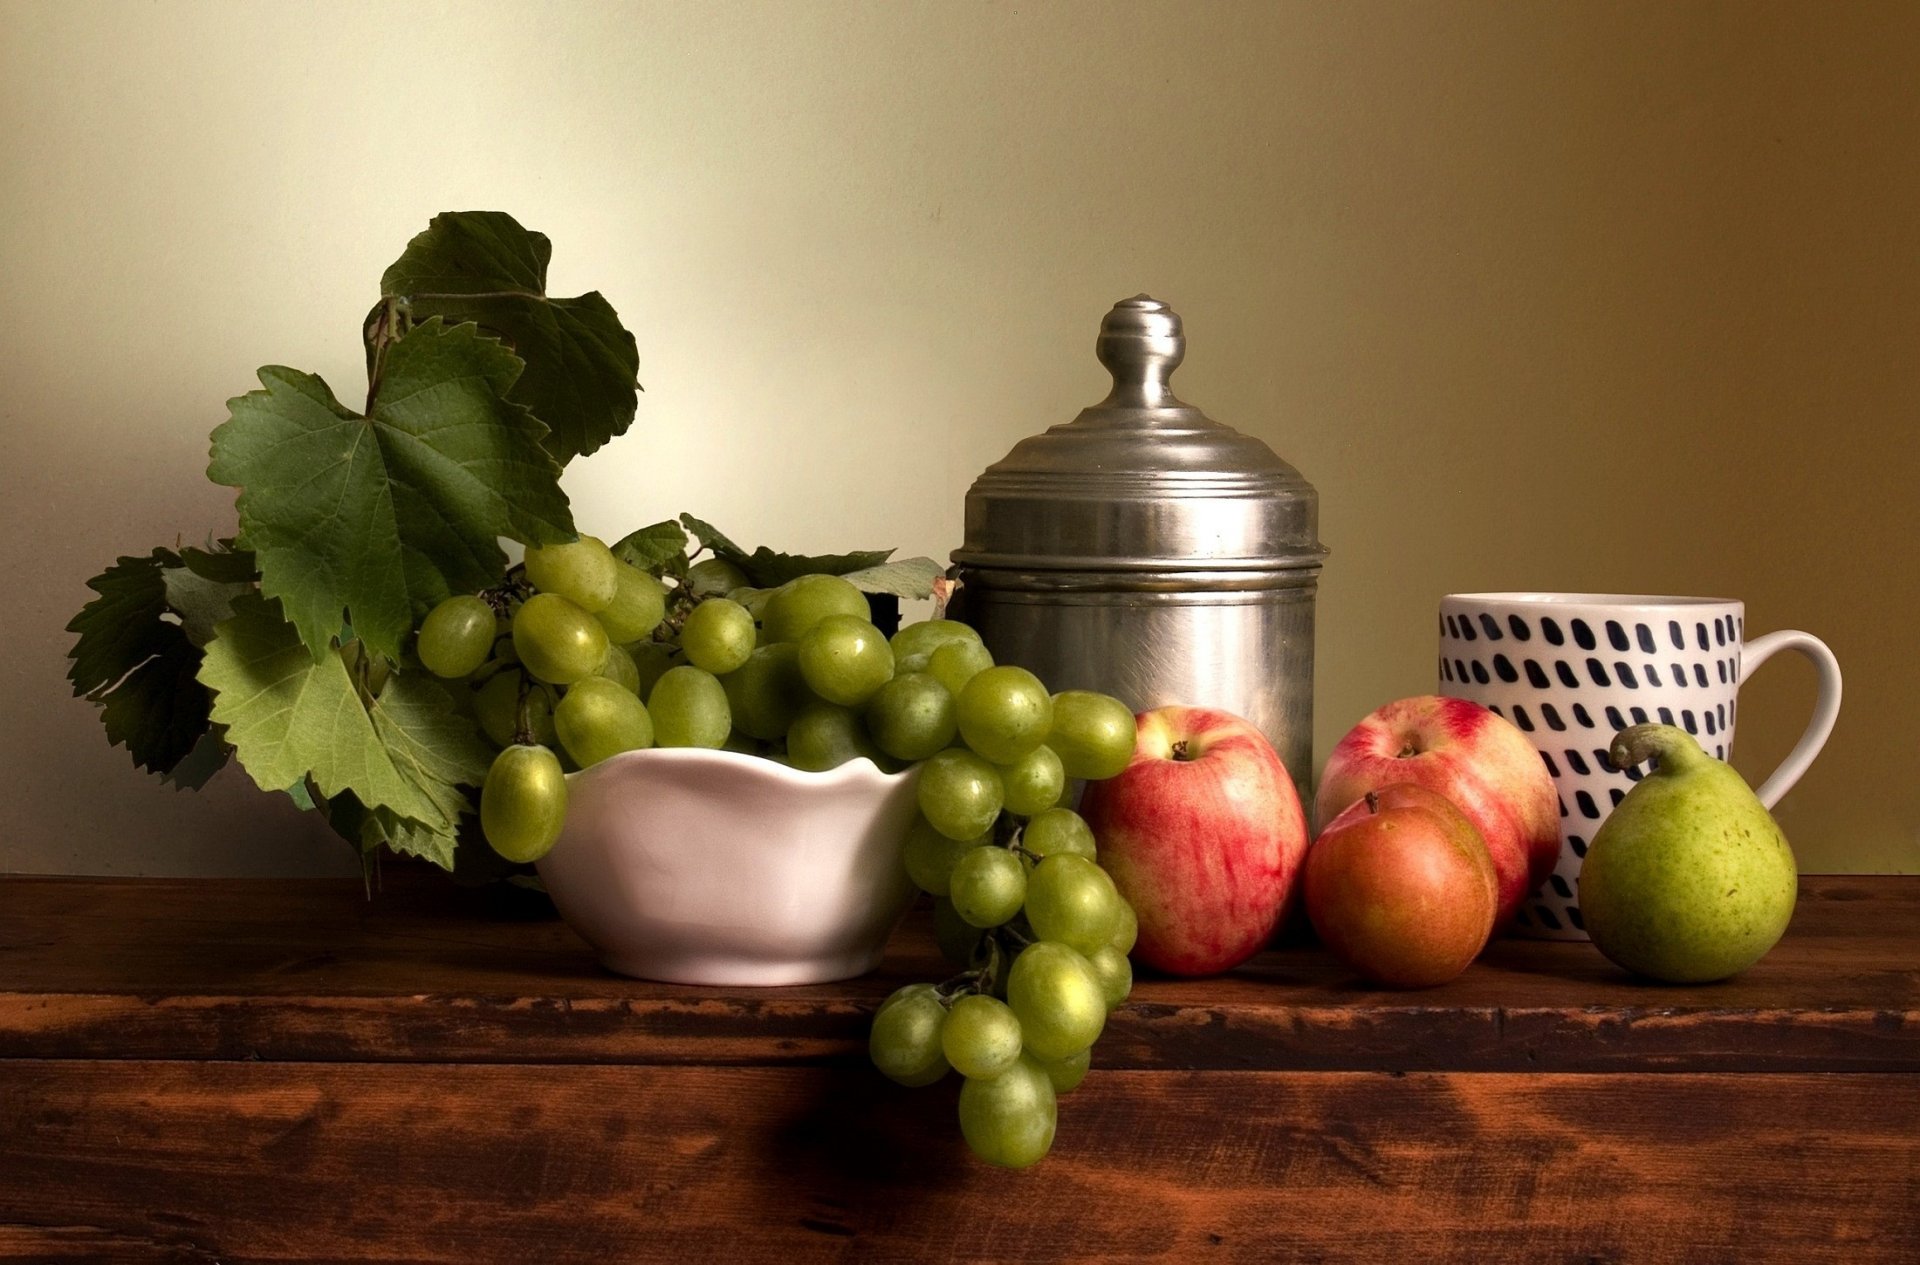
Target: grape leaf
{"type": "Point", "coordinates": [904, 577]}
{"type": "Point", "coordinates": [197, 767]}
{"type": "Point", "coordinates": [289, 717]}
{"type": "Point", "coordinates": [385, 515]}
{"type": "Point", "coordinates": [221, 562]}
{"type": "Point", "coordinates": [433, 743]}
{"type": "Point", "coordinates": [200, 603]}
{"type": "Point", "coordinates": [582, 375]}
{"type": "Point", "coordinates": [768, 569]}
{"type": "Point", "coordinates": [121, 628]}
{"type": "Point", "coordinates": [370, 829]}
{"type": "Point", "coordinates": [712, 538]}
{"type": "Point", "coordinates": [139, 664]}
{"type": "Point", "coordinates": [653, 546]}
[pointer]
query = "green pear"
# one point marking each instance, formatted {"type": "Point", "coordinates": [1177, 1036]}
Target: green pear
{"type": "Point", "coordinates": [1689, 878]}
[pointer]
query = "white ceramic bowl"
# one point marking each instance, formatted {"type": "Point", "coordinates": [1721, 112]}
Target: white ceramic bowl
{"type": "Point", "coordinates": [708, 867]}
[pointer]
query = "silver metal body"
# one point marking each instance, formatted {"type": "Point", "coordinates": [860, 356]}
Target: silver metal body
{"type": "Point", "coordinates": [1149, 552]}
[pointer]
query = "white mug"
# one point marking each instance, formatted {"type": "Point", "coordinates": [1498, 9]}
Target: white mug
{"type": "Point", "coordinates": [1573, 669]}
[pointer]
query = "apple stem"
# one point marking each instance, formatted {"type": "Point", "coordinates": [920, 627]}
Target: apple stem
{"type": "Point", "coordinates": [1180, 750]}
{"type": "Point", "coordinates": [1373, 802]}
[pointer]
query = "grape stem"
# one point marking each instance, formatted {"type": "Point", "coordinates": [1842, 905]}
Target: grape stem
{"type": "Point", "coordinates": [522, 716]}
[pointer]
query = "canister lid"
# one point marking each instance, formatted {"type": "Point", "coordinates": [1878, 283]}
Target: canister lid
{"type": "Point", "coordinates": [1141, 481]}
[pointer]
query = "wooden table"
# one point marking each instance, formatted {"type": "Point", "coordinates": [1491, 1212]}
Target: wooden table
{"type": "Point", "coordinates": [261, 1071]}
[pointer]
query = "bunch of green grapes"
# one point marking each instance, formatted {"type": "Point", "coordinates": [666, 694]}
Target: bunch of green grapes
{"type": "Point", "coordinates": [1020, 900]}
{"type": "Point", "coordinates": [550, 658]}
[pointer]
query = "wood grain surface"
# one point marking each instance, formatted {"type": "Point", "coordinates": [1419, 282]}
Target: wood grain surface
{"type": "Point", "coordinates": [315, 971]}
{"type": "Point", "coordinates": [239, 1162]}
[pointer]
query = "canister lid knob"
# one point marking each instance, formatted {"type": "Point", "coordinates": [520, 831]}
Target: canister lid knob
{"type": "Point", "coordinates": [1141, 344]}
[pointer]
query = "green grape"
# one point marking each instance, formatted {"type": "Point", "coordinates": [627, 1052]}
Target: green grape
{"type": "Point", "coordinates": [1061, 1005]}
{"type": "Point", "coordinates": [1126, 928]}
{"type": "Point", "coordinates": [1115, 973]}
{"type": "Point", "coordinates": [651, 659]}
{"type": "Point", "coordinates": [1009, 1119]}
{"type": "Point", "coordinates": [958, 662]}
{"type": "Point", "coordinates": [930, 856]}
{"type": "Point", "coordinates": [455, 637]}
{"type": "Point", "coordinates": [982, 1038]}
{"type": "Point", "coordinates": [639, 604]}
{"type": "Point", "coordinates": [911, 717]}
{"type": "Point", "coordinates": [919, 641]}
{"type": "Point", "coordinates": [845, 660]}
{"type": "Point", "coordinates": [957, 938]}
{"type": "Point", "coordinates": [557, 641]}
{"type": "Point", "coordinates": [988, 886]}
{"type": "Point", "coordinates": [960, 793]}
{"type": "Point", "coordinates": [1033, 782]}
{"type": "Point", "coordinates": [799, 604]}
{"type": "Point", "coordinates": [496, 705]}
{"type": "Point", "coordinates": [715, 575]}
{"type": "Point", "coordinates": [718, 635]}
{"type": "Point", "coordinates": [583, 571]}
{"type": "Point", "coordinates": [1094, 734]}
{"type": "Point", "coordinates": [1058, 830]}
{"type": "Point", "coordinates": [599, 718]}
{"type": "Point", "coordinates": [767, 693]}
{"type": "Point", "coordinates": [825, 737]}
{"type": "Point", "coordinates": [618, 666]}
{"type": "Point", "coordinates": [1070, 899]}
{"type": "Point", "coordinates": [904, 1042]}
{"type": "Point", "coordinates": [1004, 713]}
{"type": "Point", "coordinates": [523, 803]}
{"type": "Point", "coordinates": [689, 709]}
{"type": "Point", "coordinates": [1066, 1074]}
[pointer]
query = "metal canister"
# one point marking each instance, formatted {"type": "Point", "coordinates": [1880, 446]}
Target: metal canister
{"type": "Point", "coordinates": [1149, 552]}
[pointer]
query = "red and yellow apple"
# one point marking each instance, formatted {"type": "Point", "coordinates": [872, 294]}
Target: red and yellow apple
{"type": "Point", "coordinates": [1469, 755]}
{"type": "Point", "coordinates": [1204, 834]}
{"type": "Point", "coordinates": [1401, 887]}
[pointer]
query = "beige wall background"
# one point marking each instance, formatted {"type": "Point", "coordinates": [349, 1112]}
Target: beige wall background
{"type": "Point", "coordinates": [1593, 296]}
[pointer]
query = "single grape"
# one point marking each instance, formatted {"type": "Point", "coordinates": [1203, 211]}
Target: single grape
{"type": "Point", "coordinates": [718, 635]}
{"type": "Point", "coordinates": [799, 604]}
{"type": "Point", "coordinates": [496, 705]}
{"type": "Point", "coordinates": [904, 1042]}
{"type": "Point", "coordinates": [911, 717]}
{"type": "Point", "coordinates": [651, 659]}
{"type": "Point", "coordinates": [1061, 1005]}
{"type": "Point", "coordinates": [1070, 899]}
{"type": "Point", "coordinates": [689, 709]}
{"type": "Point", "coordinates": [618, 666]}
{"type": "Point", "coordinates": [1094, 734]}
{"type": "Point", "coordinates": [456, 637]}
{"type": "Point", "coordinates": [959, 793]}
{"type": "Point", "coordinates": [715, 575]}
{"type": "Point", "coordinates": [639, 604]}
{"type": "Point", "coordinates": [923, 638]}
{"type": "Point", "coordinates": [767, 693]}
{"type": "Point", "coordinates": [557, 641]}
{"type": "Point", "coordinates": [1066, 1074]}
{"type": "Point", "coordinates": [583, 571]}
{"type": "Point", "coordinates": [1009, 1119]}
{"type": "Point", "coordinates": [825, 737]}
{"type": "Point", "coordinates": [1058, 830]}
{"type": "Point", "coordinates": [523, 802]}
{"type": "Point", "coordinates": [1033, 782]}
{"type": "Point", "coordinates": [845, 660]}
{"type": "Point", "coordinates": [956, 937]}
{"type": "Point", "coordinates": [987, 886]}
{"type": "Point", "coordinates": [958, 662]}
{"type": "Point", "coordinates": [1115, 973]}
{"type": "Point", "coordinates": [982, 1038]}
{"type": "Point", "coordinates": [930, 856]}
{"type": "Point", "coordinates": [1126, 928]}
{"type": "Point", "coordinates": [1004, 713]}
{"type": "Point", "coordinates": [599, 718]}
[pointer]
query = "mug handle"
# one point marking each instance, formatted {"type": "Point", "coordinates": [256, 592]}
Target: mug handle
{"type": "Point", "coordinates": [1826, 706]}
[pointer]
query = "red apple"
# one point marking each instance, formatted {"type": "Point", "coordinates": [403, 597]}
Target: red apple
{"type": "Point", "coordinates": [1480, 761]}
{"type": "Point", "coordinates": [1400, 886]}
{"type": "Point", "coordinates": [1203, 833]}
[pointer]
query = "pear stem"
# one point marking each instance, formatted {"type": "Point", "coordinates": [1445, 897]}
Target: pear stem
{"type": "Point", "coordinates": [1674, 748]}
